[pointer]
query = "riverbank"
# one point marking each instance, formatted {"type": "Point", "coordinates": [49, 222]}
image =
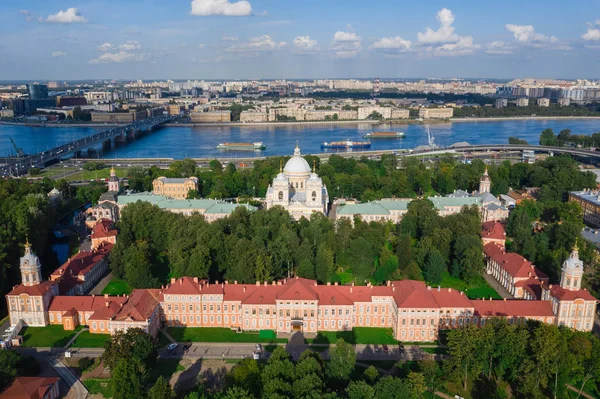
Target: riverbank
{"type": "Point", "coordinates": [59, 125]}
{"type": "Point", "coordinates": [522, 118]}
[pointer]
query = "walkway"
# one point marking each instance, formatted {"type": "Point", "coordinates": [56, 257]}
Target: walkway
{"type": "Point", "coordinates": [584, 394]}
{"type": "Point", "coordinates": [75, 337]}
{"type": "Point", "coordinates": [76, 387]}
{"type": "Point", "coordinates": [497, 286]}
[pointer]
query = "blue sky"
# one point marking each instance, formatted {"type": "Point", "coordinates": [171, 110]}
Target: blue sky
{"type": "Point", "coordinates": [260, 39]}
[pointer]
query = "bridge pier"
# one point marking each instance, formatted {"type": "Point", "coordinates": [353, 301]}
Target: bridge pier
{"type": "Point", "coordinates": [131, 134]}
{"type": "Point", "coordinates": [77, 154]}
{"type": "Point", "coordinates": [120, 138]}
{"type": "Point", "coordinates": [106, 144]}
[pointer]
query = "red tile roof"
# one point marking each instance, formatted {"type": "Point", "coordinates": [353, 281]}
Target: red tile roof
{"type": "Point", "coordinates": [183, 286]}
{"type": "Point", "coordinates": [298, 288]}
{"type": "Point", "coordinates": [413, 294]}
{"type": "Point", "coordinates": [140, 306]}
{"type": "Point", "coordinates": [110, 309]}
{"type": "Point", "coordinates": [84, 303]}
{"type": "Point", "coordinates": [103, 229]}
{"type": "Point", "coordinates": [513, 263]}
{"type": "Point", "coordinates": [513, 308]}
{"type": "Point", "coordinates": [29, 388]}
{"type": "Point", "coordinates": [493, 231]}
{"type": "Point", "coordinates": [33, 290]}
{"type": "Point", "coordinates": [451, 298]}
{"type": "Point", "coordinates": [566, 295]}
{"type": "Point", "coordinates": [531, 285]}
{"type": "Point", "coordinates": [83, 262]}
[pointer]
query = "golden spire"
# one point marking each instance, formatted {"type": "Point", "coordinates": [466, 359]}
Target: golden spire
{"type": "Point", "coordinates": [575, 248]}
{"type": "Point", "coordinates": [27, 244]}
{"type": "Point", "coordinates": [314, 166]}
{"type": "Point", "coordinates": [297, 145]}
{"type": "Point", "coordinates": [112, 170]}
{"type": "Point", "coordinates": [280, 165]}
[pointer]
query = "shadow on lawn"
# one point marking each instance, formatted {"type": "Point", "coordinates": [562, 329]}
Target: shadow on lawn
{"type": "Point", "coordinates": [348, 336]}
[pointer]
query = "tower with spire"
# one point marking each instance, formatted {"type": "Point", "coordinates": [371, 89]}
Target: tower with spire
{"type": "Point", "coordinates": [572, 271]}
{"type": "Point", "coordinates": [31, 267]}
{"type": "Point", "coordinates": [113, 181]}
{"type": "Point", "coordinates": [485, 183]}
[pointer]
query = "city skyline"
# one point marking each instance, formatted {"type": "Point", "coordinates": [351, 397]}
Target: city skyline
{"type": "Point", "coordinates": [222, 39]}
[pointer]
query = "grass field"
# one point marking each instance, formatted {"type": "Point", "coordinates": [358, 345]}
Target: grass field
{"type": "Point", "coordinates": [480, 289]}
{"type": "Point", "coordinates": [358, 335]}
{"type": "Point", "coordinates": [117, 287]}
{"type": "Point", "coordinates": [89, 340]}
{"type": "Point", "coordinates": [209, 334]}
{"type": "Point", "coordinates": [96, 174]}
{"type": "Point", "coordinates": [165, 368]}
{"type": "Point", "coordinates": [51, 172]}
{"type": "Point", "coordinates": [345, 277]}
{"type": "Point", "coordinates": [98, 386]}
{"type": "Point", "coordinates": [44, 337]}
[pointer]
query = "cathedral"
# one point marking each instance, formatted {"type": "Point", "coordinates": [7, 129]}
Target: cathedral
{"type": "Point", "coordinates": [298, 189]}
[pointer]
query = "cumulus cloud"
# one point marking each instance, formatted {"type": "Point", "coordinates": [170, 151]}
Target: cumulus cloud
{"type": "Point", "coordinates": [117, 57]}
{"type": "Point", "coordinates": [346, 44]}
{"type": "Point", "coordinates": [58, 54]}
{"type": "Point", "coordinates": [230, 38]}
{"type": "Point", "coordinates": [69, 16]}
{"type": "Point", "coordinates": [105, 47]}
{"type": "Point", "coordinates": [221, 7]}
{"type": "Point", "coordinates": [305, 45]}
{"type": "Point", "coordinates": [256, 46]}
{"type": "Point", "coordinates": [391, 45]}
{"type": "Point", "coordinates": [445, 41]}
{"type": "Point", "coordinates": [130, 45]}
{"type": "Point", "coordinates": [526, 34]}
{"type": "Point", "coordinates": [499, 47]}
{"type": "Point", "coordinates": [201, 45]}
{"type": "Point", "coordinates": [27, 14]}
{"type": "Point", "coordinates": [593, 32]}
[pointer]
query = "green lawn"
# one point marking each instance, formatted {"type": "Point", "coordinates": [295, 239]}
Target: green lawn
{"type": "Point", "coordinates": [98, 386]}
{"type": "Point", "coordinates": [97, 174]}
{"type": "Point", "coordinates": [345, 277]}
{"type": "Point", "coordinates": [89, 340]}
{"type": "Point", "coordinates": [44, 337]}
{"type": "Point", "coordinates": [358, 335]}
{"type": "Point", "coordinates": [209, 334]}
{"type": "Point", "coordinates": [165, 368]}
{"type": "Point", "coordinates": [51, 172]}
{"type": "Point", "coordinates": [117, 287]}
{"type": "Point", "coordinates": [480, 289]}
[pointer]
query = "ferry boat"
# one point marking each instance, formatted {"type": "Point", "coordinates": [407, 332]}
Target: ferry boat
{"type": "Point", "coordinates": [384, 135]}
{"type": "Point", "coordinates": [346, 144]}
{"type": "Point", "coordinates": [256, 146]}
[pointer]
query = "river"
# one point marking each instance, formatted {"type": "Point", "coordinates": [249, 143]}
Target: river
{"type": "Point", "coordinates": [200, 142]}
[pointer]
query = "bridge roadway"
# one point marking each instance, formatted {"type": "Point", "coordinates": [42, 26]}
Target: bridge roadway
{"type": "Point", "coordinates": [20, 166]}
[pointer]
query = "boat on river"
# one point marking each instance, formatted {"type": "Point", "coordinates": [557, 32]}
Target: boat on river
{"type": "Point", "coordinates": [346, 144]}
{"type": "Point", "coordinates": [256, 146]}
{"type": "Point", "coordinates": [384, 135]}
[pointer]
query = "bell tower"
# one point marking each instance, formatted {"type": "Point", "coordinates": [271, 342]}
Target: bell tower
{"type": "Point", "coordinates": [113, 181]}
{"type": "Point", "coordinates": [485, 182]}
{"type": "Point", "coordinates": [572, 271]}
{"type": "Point", "coordinates": [31, 268]}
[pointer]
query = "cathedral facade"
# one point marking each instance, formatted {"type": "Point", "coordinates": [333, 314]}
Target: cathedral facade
{"type": "Point", "coordinates": [298, 189]}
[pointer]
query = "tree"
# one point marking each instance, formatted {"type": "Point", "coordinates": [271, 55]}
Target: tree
{"type": "Point", "coordinates": [371, 374]}
{"type": "Point", "coordinates": [342, 359]}
{"type": "Point", "coordinates": [237, 393]}
{"type": "Point", "coordinates": [245, 375]}
{"type": "Point", "coordinates": [591, 364]}
{"type": "Point", "coordinates": [547, 137]}
{"type": "Point", "coordinates": [472, 264]}
{"type": "Point", "coordinates": [417, 384]}
{"type": "Point", "coordinates": [134, 345]}
{"type": "Point", "coordinates": [361, 257]}
{"type": "Point", "coordinates": [392, 388]}
{"type": "Point", "coordinates": [429, 369]}
{"type": "Point", "coordinates": [161, 389]}
{"type": "Point", "coordinates": [404, 251]}
{"type": "Point", "coordinates": [463, 346]}
{"type": "Point", "coordinates": [360, 390]}
{"type": "Point", "coordinates": [126, 380]}
{"type": "Point", "coordinates": [516, 140]}
{"type": "Point", "coordinates": [434, 267]}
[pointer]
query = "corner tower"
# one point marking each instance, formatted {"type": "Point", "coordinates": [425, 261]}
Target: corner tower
{"type": "Point", "coordinates": [31, 268]}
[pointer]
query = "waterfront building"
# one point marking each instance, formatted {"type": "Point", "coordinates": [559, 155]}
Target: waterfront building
{"type": "Point", "coordinates": [589, 200]}
{"type": "Point", "coordinates": [501, 102]}
{"type": "Point", "coordinates": [564, 102]}
{"type": "Point", "coordinates": [400, 113]}
{"type": "Point", "coordinates": [119, 117]}
{"type": "Point", "coordinates": [493, 231]}
{"type": "Point", "coordinates": [297, 189]}
{"type": "Point", "coordinates": [543, 102]}
{"type": "Point", "coordinates": [210, 117]}
{"type": "Point", "coordinates": [523, 102]}
{"type": "Point", "coordinates": [174, 187]}
{"type": "Point", "coordinates": [32, 388]}
{"type": "Point", "coordinates": [253, 116]}
{"type": "Point", "coordinates": [365, 112]}
{"type": "Point", "coordinates": [37, 91]}
{"type": "Point", "coordinates": [436, 113]}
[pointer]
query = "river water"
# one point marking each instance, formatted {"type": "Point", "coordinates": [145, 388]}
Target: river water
{"type": "Point", "coordinates": [200, 142]}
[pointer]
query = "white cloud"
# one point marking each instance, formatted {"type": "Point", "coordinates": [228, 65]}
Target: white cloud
{"type": "Point", "coordinates": [27, 14]}
{"type": "Point", "coordinates": [499, 47]}
{"type": "Point", "coordinates": [256, 45]}
{"type": "Point", "coordinates": [391, 45]}
{"type": "Point", "coordinates": [58, 54]}
{"type": "Point", "coordinates": [105, 47]}
{"type": "Point", "coordinates": [526, 34]}
{"type": "Point", "coordinates": [445, 41]}
{"type": "Point", "coordinates": [130, 45]}
{"type": "Point", "coordinates": [346, 44]}
{"type": "Point", "coordinates": [221, 7]}
{"type": "Point", "coordinates": [230, 38]}
{"type": "Point", "coordinates": [121, 56]}
{"type": "Point", "coordinates": [305, 45]}
{"type": "Point", "coordinates": [201, 45]}
{"type": "Point", "coordinates": [69, 16]}
{"type": "Point", "coordinates": [445, 34]}
{"type": "Point", "coordinates": [593, 33]}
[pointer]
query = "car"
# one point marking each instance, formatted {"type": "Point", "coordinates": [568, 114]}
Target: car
{"type": "Point", "coordinates": [259, 348]}
{"type": "Point", "coordinates": [400, 347]}
{"type": "Point", "coordinates": [377, 348]}
{"type": "Point", "coordinates": [186, 348]}
{"type": "Point", "coordinates": [172, 347]}
{"type": "Point", "coordinates": [385, 348]}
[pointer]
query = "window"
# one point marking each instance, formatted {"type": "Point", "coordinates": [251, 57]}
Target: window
{"type": "Point", "coordinates": [314, 195]}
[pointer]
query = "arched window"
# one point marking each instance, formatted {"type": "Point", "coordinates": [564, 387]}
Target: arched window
{"type": "Point", "coordinates": [314, 195]}
{"type": "Point", "coordinates": [301, 185]}
{"type": "Point", "coordinates": [296, 184]}
{"type": "Point", "coordinates": [281, 195]}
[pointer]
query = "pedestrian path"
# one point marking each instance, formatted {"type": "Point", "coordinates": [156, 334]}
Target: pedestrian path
{"type": "Point", "coordinates": [584, 394]}
{"type": "Point", "coordinates": [169, 336]}
{"type": "Point", "coordinates": [76, 387]}
{"type": "Point", "coordinates": [75, 337]}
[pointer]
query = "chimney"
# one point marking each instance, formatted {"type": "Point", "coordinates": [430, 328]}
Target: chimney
{"type": "Point", "coordinates": [388, 283]}
{"type": "Point", "coordinates": [265, 283]}
{"type": "Point", "coordinates": [461, 293]}
{"type": "Point", "coordinates": [105, 295]}
{"type": "Point", "coordinates": [172, 280]}
{"type": "Point", "coordinates": [217, 282]}
{"type": "Point", "coordinates": [351, 289]}
{"type": "Point", "coordinates": [336, 283]}
{"type": "Point", "coordinates": [393, 289]}
{"type": "Point", "coordinates": [352, 284]}
{"type": "Point", "coordinates": [181, 281]}
{"type": "Point", "coordinates": [328, 283]}
{"type": "Point", "coordinates": [550, 286]}
{"type": "Point", "coordinates": [195, 279]}
{"type": "Point", "coordinates": [244, 289]}
{"type": "Point", "coordinates": [504, 299]}
{"type": "Point", "coordinates": [226, 282]}
{"type": "Point", "coordinates": [449, 289]}
{"type": "Point", "coordinates": [439, 288]}
{"type": "Point", "coordinates": [315, 283]}
{"type": "Point", "coordinates": [107, 304]}
{"type": "Point", "coordinates": [274, 283]}
{"type": "Point", "coordinates": [429, 287]}
{"type": "Point", "coordinates": [234, 281]}
{"type": "Point", "coordinates": [257, 283]}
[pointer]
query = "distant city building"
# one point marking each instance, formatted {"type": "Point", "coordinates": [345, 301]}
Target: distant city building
{"type": "Point", "coordinates": [365, 112]}
{"type": "Point", "coordinates": [528, 156]}
{"type": "Point", "coordinates": [70, 101]}
{"type": "Point", "coordinates": [501, 102]}
{"type": "Point", "coordinates": [436, 113]}
{"type": "Point", "coordinates": [297, 190]}
{"type": "Point", "coordinates": [253, 116]}
{"type": "Point", "coordinates": [523, 102]}
{"type": "Point", "coordinates": [174, 109]}
{"type": "Point", "coordinates": [564, 102]}
{"type": "Point", "coordinates": [119, 117]}
{"type": "Point", "coordinates": [589, 200]}
{"type": "Point", "coordinates": [400, 113]}
{"type": "Point", "coordinates": [212, 116]}
{"type": "Point", "coordinates": [174, 187]}
{"type": "Point", "coordinates": [543, 102]}
{"type": "Point", "coordinates": [37, 91]}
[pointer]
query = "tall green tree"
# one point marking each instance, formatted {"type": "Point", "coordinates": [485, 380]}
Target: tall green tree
{"type": "Point", "coordinates": [161, 389]}
{"type": "Point", "coordinates": [126, 380]}
{"type": "Point", "coordinates": [342, 359]}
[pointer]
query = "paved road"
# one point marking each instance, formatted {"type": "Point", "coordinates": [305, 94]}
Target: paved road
{"type": "Point", "coordinates": [77, 389]}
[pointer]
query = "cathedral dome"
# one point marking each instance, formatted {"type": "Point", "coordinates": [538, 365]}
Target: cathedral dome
{"type": "Point", "coordinates": [297, 166]}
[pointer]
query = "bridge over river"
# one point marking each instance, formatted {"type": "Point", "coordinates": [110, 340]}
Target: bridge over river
{"type": "Point", "coordinates": [18, 166]}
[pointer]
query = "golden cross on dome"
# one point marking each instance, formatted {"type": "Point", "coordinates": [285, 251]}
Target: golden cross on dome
{"type": "Point", "coordinates": [314, 166]}
{"type": "Point", "coordinates": [280, 165]}
{"type": "Point", "coordinates": [27, 244]}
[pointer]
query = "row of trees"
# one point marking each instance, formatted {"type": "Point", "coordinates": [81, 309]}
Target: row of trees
{"type": "Point", "coordinates": [532, 109]}
{"type": "Point", "coordinates": [536, 359]}
{"type": "Point", "coordinates": [565, 138]}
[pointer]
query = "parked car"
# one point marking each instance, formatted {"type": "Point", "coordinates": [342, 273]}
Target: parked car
{"type": "Point", "coordinates": [385, 348]}
{"type": "Point", "coordinates": [377, 348]}
{"type": "Point", "coordinates": [259, 348]}
{"type": "Point", "coordinates": [401, 347]}
{"type": "Point", "coordinates": [172, 347]}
